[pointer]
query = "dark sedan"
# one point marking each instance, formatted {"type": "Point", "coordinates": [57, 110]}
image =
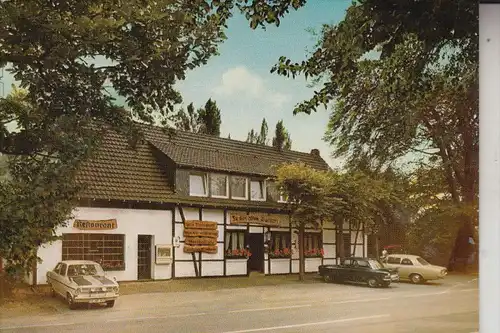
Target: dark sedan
{"type": "Point", "coordinates": [359, 270]}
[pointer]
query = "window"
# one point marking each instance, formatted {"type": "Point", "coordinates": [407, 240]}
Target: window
{"type": "Point", "coordinates": [239, 187]}
{"type": "Point", "coordinates": [62, 269]}
{"type": "Point", "coordinates": [313, 246]}
{"type": "Point", "coordinates": [219, 186]}
{"type": "Point", "coordinates": [57, 268]}
{"type": "Point", "coordinates": [258, 190]}
{"type": "Point", "coordinates": [347, 244]}
{"type": "Point", "coordinates": [422, 261]}
{"type": "Point", "coordinates": [281, 244]}
{"type": "Point", "coordinates": [235, 244]}
{"type": "Point", "coordinates": [198, 184]}
{"type": "Point", "coordinates": [407, 262]}
{"type": "Point", "coordinates": [106, 249]}
{"type": "Point", "coordinates": [394, 260]}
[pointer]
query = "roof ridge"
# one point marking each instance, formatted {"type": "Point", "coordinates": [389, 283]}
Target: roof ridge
{"type": "Point", "coordinates": [212, 137]}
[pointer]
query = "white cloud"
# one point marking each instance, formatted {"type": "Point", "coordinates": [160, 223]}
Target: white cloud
{"type": "Point", "coordinates": [240, 82]}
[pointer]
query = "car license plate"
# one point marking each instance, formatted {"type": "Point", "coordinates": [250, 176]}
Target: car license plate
{"type": "Point", "coordinates": [96, 300]}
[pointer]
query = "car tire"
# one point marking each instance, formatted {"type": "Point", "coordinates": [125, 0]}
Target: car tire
{"type": "Point", "coordinates": [327, 278]}
{"type": "Point", "coordinates": [372, 282]}
{"type": "Point", "coordinates": [416, 279]}
{"type": "Point", "coordinates": [70, 301]}
{"type": "Point", "coordinates": [110, 304]}
{"type": "Point", "coordinates": [386, 284]}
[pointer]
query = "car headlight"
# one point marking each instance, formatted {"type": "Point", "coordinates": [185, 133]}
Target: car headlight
{"type": "Point", "coordinates": [115, 289]}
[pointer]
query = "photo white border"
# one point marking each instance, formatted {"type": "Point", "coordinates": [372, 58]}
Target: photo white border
{"type": "Point", "coordinates": [489, 167]}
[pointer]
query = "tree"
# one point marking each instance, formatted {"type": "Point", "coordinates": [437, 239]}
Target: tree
{"type": "Point", "coordinates": [206, 120]}
{"type": "Point", "coordinates": [306, 190]}
{"type": "Point", "coordinates": [403, 80]}
{"type": "Point", "coordinates": [209, 119]}
{"type": "Point", "coordinates": [281, 140]}
{"type": "Point", "coordinates": [315, 196]}
{"type": "Point", "coordinates": [187, 120]}
{"type": "Point", "coordinates": [252, 136]}
{"type": "Point", "coordinates": [51, 49]}
{"type": "Point", "coordinates": [260, 137]}
{"type": "Point", "coordinates": [41, 191]}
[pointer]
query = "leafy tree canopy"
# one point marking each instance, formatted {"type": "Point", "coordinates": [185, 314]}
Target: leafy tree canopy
{"type": "Point", "coordinates": [402, 78]}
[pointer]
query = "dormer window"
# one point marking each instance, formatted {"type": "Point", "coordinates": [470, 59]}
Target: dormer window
{"type": "Point", "coordinates": [258, 190]}
{"type": "Point", "coordinates": [198, 184]}
{"type": "Point", "coordinates": [239, 188]}
{"type": "Point", "coordinates": [219, 186]}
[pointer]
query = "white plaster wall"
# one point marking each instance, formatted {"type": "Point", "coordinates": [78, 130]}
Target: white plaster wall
{"type": "Point", "coordinates": [329, 236]}
{"type": "Point", "coordinates": [236, 267]}
{"type": "Point", "coordinates": [212, 268]}
{"type": "Point", "coordinates": [330, 250]}
{"type": "Point", "coordinates": [266, 264]}
{"type": "Point", "coordinates": [312, 264]}
{"type": "Point", "coordinates": [295, 266]}
{"type": "Point", "coordinates": [185, 268]}
{"type": "Point", "coordinates": [359, 240]}
{"type": "Point", "coordinates": [131, 223]}
{"type": "Point", "coordinates": [280, 266]}
{"type": "Point", "coordinates": [329, 262]}
{"type": "Point", "coordinates": [256, 230]}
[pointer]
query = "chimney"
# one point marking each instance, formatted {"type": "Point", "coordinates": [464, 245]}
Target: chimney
{"type": "Point", "coordinates": [315, 152]}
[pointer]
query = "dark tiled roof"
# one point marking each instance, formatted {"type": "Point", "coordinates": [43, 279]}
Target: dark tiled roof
{"type": "Point", "coordinates": [120, 172]}
{"type": "Point", "coordinates": [220, 154]}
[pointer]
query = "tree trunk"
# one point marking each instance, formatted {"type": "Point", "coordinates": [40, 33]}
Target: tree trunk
{"type": "Point", "coordinates": [340, 239]}
{"type": "Point", "coordinates": [302, 260]}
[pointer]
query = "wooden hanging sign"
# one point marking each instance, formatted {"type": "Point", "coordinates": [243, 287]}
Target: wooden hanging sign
{"type": "Point", "coordinates": [267, 220]}
{"type": "Point", "coordinates": [95, 224]}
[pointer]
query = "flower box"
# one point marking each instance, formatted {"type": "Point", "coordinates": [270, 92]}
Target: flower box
{"type": "Point", "coordinates": [238, 254]}
{"type": "Point", "coordinates": [314, 253]}
{"type": "Point", "coordinates": [284, 253]}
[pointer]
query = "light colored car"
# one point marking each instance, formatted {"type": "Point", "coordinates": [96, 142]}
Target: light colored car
{"type": "Point", "coordinates": [414, 268]}
{"type": "Point", "coordinates": [82, 281]}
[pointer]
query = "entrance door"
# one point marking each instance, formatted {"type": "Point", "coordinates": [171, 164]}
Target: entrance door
{"type": "Point", "coordinates": [256, 261]}
{"type": "Point", "coordinates": [144, 257]}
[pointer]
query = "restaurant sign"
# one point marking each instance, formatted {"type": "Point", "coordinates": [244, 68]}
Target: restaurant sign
{"type": "Point", "coordinates": [95, 224]}
{"type": "Point", "coordinates": [267, 220]}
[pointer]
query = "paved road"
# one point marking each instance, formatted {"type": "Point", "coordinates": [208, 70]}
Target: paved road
{"type": "Point", "coordinates": [451, 306]}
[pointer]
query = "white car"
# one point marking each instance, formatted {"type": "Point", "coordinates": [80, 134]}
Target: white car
{"type": "Point", "coordinates": [82, 281]}
{"type": "Point", "coordinates": [414, 268]}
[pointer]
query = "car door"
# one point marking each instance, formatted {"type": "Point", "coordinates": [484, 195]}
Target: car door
{"type": "Point", "coordinates": [394, 262]}
{"type": "Point", "coordinates": [362, 270]}
{"type": "Point", "coordinates": [406, 267]}
{"type": "Point", "coordinates": [61, 279]}
{"type": "Point", "coordinates": [54, 278]}
{"type": "Point", "coordinates": [345, 270]}
{"type": "Point", "coordinates": [359, 270]}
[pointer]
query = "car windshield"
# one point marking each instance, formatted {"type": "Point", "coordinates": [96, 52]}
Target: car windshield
{"type": "Point", "coordinates": [422, 261]}
{"type": "Point", "coordinates": [375, 264]}
{"type": "Point", "coordinates": [84, 269]}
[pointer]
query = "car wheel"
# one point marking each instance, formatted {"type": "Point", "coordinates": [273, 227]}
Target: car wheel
{"type": "Point", "coordinates": [110, 304]}
{"type": "Point", "coordinates": [372, 282]}
{"type": "Point", "coordinates": [386, 284]}
{"type": "Point", "coordinates": [327, 278]}
{"type": "Point", "coordinates": [71, 301]}
{"type": "Point", "coordinates": [416, 278]}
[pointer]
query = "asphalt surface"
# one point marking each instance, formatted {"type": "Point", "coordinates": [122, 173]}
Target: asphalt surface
{"type": "Point", "coordinates": [449, 306]}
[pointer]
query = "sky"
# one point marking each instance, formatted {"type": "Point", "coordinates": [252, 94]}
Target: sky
{"type": "Point", "coordinates": [239, 79]}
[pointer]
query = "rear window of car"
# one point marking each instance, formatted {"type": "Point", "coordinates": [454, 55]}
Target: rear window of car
{"type": "Point", "coordinates": [394, 260]}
